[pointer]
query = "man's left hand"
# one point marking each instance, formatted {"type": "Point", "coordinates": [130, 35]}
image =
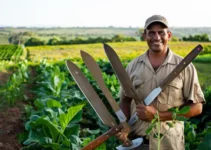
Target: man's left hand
{"type": "Point", "coordinates": [145, 112]}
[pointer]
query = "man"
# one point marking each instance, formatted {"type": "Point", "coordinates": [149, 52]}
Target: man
{"type": "Point", "coordinates": [147, 72]}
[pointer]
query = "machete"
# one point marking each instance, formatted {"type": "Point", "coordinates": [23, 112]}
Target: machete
{"type": "Point", "coordinates": [127, 85]}
{"type": "Point", "coordinates": [96, 73]}
{"type": "Point", "coordinates": [97, 105]}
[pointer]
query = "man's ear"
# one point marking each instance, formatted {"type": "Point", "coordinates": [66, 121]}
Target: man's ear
{"type": "Point", "coordinates": [169, 35]}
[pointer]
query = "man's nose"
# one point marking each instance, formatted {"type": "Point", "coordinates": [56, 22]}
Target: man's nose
{"type": "Point", "coordinates": [156, 36]}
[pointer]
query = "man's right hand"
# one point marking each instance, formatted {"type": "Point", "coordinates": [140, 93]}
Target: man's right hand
{"type": "Point", "coordinates": [123, 136]}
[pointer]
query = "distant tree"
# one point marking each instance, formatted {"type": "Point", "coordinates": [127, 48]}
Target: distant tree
{"type": "Point", "coordinates": [54, 41]}
{"type": "Point", "coordinates": [118, 38]}
{"type": "Point", "coordinates": [34, 42]}
{"type": "Point", "coordinates": [16, 39]}
{"type": "Point", "coordinates": [205, 37]}
{"type": "Point", "coordinates": [202, 38]}
{"type": "Point", "coordinates": [174, 39]}
{"type": "Point", "coordinates": [21, 37]}
{"type": "Point", "coordinates": [129, 39]}
{"type": "Point", "coordinates": [77, 40]}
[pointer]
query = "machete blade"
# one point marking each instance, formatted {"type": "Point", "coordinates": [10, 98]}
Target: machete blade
{"type": "Point", "coordinates": [90, 94]}
{"type": "Point", "coordinates": [120, 71]}
{"type": "Point", "coordinates": [96, 73]}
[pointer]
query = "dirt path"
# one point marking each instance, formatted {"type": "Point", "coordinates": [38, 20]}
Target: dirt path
{"type": "Point", "coordinates": [10, 117]}
{"type": "Point", "coordinates": [10, 126]}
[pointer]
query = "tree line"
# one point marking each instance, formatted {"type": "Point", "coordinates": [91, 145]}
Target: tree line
{"type": "Point", "coordinates": [36, 41]}
{"type": "Point", "coordinates": [29, 39]}
{"type": "Point", "coordinates": [201, 38]}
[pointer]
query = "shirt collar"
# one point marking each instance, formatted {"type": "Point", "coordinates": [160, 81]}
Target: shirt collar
{"type": "Point", "coordinates": [169, 59]}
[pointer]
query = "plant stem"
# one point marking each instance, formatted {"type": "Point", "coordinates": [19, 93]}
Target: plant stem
{"type": "Point", "coordinates": [158, 125]}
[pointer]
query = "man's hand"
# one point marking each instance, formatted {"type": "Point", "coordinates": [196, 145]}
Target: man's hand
{"type": "Point", "coordinates": [122, 136]}
{"type": "Point", "coordinates": [145, 113]}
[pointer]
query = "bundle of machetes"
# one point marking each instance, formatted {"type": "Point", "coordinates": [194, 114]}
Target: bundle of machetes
{"type": "Point", "coordinates": [128, 88]}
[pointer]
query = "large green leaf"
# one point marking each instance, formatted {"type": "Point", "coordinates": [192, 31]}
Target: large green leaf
{"type": "Point", "coordinates": [184, 110]}
{"type": "Point", "coordinates": [181, 118]}
{"type": "Point", "coordinates": [77, 117]}
{"type": "Point", "coordinates": [44, 141]}
{"type": "Point", "coordinates": [32, 138]}
{"type": "Point", "coordinates": [55, 132]}
{"type": "Point", "coordinates": [53, 103]}
{"type": "Point", "coordinates": [72, 129]}
{"type": "Point", "coordinates": [29, 125]}
{"type": "Point", "coordinates": [51, 113]}
{"type": "Point", "coordinates": [64, 119]}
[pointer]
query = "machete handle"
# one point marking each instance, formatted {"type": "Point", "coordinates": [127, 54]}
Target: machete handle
{"type": "Point", "coordinates": [101, 139]}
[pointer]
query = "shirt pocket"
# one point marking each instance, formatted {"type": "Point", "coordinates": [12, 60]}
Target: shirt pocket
{"type": "Point", "coordinates": [172, 95]}
{"type": "Point", "coordinates": [139, 86]}
{"type": "Point", "coordinates": [175, 95]}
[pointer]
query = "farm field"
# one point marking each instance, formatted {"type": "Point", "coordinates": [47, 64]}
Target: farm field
{"type": "Point", "coordinates": [124, 49]}
{"type": "Point", "coordinates": [51, 108]}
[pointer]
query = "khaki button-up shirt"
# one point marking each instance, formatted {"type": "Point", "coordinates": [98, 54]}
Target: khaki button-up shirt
{"type": "Point", "coordinates": [183, 88]}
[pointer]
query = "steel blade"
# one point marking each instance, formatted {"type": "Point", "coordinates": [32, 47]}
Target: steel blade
{"type": "Point", "coordinates": [136, 143]}
{"type": "Point", "coordinates": [96, 73]}
{"type": "Point", "coordinates": [181, 66]}
{"type": "Point", "coordinates": [120, 71]}
{"type": "Point", "coordinates": [90, 94]}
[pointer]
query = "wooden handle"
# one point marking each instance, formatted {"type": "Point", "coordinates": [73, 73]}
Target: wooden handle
{"type": "Point", "coordinates": [101, 139]}
{"type": "Point", "coordinates": [185, 62]}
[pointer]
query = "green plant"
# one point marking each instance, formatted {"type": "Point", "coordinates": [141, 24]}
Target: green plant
{"type": "Point", "coordinates": [155, 125]}
{"type": "Point", "coordinates": [58, 133]}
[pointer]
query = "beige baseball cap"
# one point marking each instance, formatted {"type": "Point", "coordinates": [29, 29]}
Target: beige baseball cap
{"type": "Point", "coordinates": [155, 18]}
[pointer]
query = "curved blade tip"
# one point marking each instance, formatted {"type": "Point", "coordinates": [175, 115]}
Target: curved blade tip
{"type": "Point", "coordinates": [105, 45]}
{"type": "Point", "coordinates": [82, 53]}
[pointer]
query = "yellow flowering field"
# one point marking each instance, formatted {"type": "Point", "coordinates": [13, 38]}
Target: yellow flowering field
{"type": "Point", "coordinates": [123, 49]}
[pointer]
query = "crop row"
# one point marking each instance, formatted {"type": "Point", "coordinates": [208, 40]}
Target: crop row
{"type": "Point", "coordinates": [10, 52]}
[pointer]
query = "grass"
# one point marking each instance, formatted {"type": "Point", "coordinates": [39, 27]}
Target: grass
{"type": "Point", "coordinates": [204, 74]}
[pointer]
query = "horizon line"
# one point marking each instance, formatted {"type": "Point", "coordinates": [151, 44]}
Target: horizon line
{"type": "Point", "coordinates": [7, 26]}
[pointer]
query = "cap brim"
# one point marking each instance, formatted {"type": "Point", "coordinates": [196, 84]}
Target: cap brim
{"type": "Point", "coordinates": [159, 21]}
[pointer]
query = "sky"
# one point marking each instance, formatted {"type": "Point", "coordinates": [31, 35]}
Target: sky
{"type": "Point", "coordinates": [103, 13]}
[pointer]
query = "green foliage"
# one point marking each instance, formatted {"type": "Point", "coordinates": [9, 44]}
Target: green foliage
{"type": "Point", "coordinates": [21, 37]}
{"type": "Point", "coordinates": [54, 41]}
{"type": "Point", "coordinates": [34, 41]}
{"type": "Point", "coordinates": [175, 39]}
{"type": "Point", "coordinates": [56, 133]}
{"type": "Point", "coordinates": [121, 38]}
{"type": "Point", "coordinates": [206, 50]}
{"type": "Point", "coordinates": [201, 38]}
{"type": "Point", "coordinates": [58, 41]}
{"type": "Point", "coordinates": [10, 52]}
{"type": "Point", "coordinates": [13, 89]}
{"type": "Point", "coordinates": [206, 144]}
{"type": "Point", "coordinates": [155, 125]}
